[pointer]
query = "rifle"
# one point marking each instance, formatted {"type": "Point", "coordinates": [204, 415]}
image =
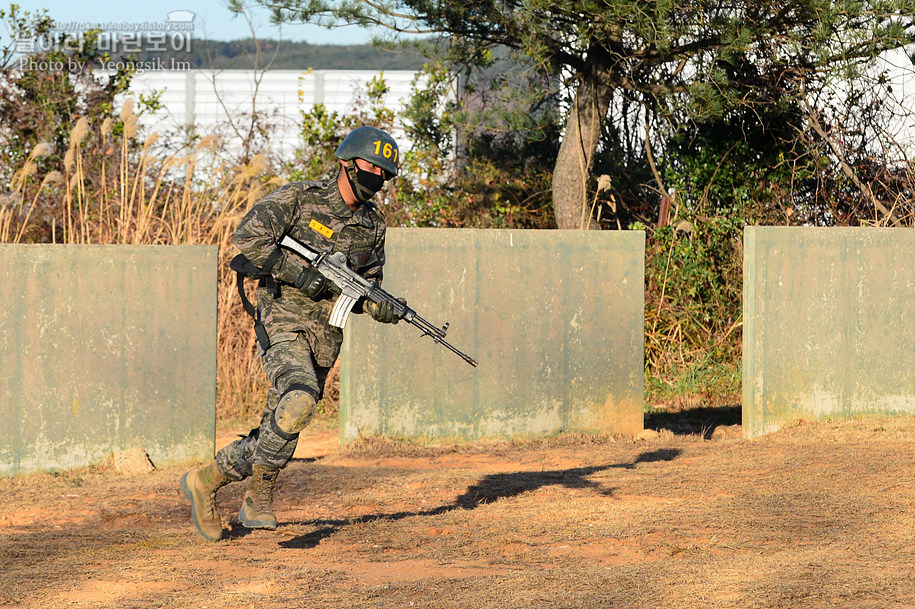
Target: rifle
{"type": "Point", "coordinates": [354, 286]}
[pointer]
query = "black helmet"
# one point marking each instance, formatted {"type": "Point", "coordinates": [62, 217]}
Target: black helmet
{"type": "Point", "coordinates": [373, 145]}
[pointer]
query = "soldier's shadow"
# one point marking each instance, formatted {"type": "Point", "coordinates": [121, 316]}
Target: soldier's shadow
{"type": "Point", "coordinates": [490, 488]}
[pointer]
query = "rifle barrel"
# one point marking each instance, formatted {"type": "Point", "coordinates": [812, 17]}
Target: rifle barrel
{"type": "Point", "coordinates": [438, 335]}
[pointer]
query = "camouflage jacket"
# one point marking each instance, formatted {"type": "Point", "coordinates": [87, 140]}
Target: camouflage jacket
{"type": "Point", "coordinates": [315, 214]}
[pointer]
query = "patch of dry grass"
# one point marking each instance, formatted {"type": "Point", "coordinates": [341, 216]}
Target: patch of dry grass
{"type": "Point", "coordinates": [115, 189]}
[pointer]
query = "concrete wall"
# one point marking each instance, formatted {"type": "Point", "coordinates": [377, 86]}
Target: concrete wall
{"type": "Point", "coordinates": [106, 348]}
{"type": "Point", "coordinates": [554, 318]}
{"type": "Point", "coordinates": [829, 324]}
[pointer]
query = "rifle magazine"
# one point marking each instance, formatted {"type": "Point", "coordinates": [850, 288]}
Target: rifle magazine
{"type": "Point", "coordinates": [341, 310]}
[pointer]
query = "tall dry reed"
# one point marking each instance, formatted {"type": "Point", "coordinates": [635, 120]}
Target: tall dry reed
{"type": "Point", "coordinates": [114, 190]}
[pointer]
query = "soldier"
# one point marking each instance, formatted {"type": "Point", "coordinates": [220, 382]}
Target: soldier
{"type": "Point", "coordinates": [298, 344]}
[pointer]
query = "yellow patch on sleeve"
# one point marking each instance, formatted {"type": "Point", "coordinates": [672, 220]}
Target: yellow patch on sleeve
{"type": "Point", "coordinates": [320, 228]}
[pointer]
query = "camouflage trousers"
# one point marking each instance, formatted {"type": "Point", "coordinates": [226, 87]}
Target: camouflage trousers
{"type": "Point", "coordinates": [293, 373]}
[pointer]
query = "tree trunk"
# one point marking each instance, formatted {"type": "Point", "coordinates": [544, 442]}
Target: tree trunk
{"type": "Point", "coordinates": [571, 200]}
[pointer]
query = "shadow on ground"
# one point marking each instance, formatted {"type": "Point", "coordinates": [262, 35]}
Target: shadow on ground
{"type": "Point", "coordinates": [700, 421]}
{"type": "Point", "coordinates": [490, 488]}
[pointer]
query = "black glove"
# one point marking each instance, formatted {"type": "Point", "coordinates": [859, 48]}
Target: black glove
{"type": "Point", "coordinates": [312, 282]}
{"type": "Point", "coordinates": [383, 312]}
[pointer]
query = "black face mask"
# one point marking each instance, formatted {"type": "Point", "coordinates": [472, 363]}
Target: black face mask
{"type": "Point", "coordinates": [364, 183]}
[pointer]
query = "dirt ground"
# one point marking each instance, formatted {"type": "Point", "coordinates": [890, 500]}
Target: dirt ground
{"type": "Point", "coordinates": [817, 515]}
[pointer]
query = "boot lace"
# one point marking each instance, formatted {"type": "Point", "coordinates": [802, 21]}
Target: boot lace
{"type": "Point", "coordinates": [264, 490]}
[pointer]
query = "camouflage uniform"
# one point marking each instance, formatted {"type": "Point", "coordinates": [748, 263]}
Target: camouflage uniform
{"type": "Point", "coordinates": [303, 345]}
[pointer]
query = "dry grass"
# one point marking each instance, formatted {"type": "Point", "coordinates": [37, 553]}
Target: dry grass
{"type": "Point", "coordinates": [115, 190]}
{"type": "Point", "coordinates": [813, 516]}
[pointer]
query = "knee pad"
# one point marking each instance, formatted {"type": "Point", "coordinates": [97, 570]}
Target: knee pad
{"type": "Point", "coordinates": [295, 409]}
{"type": "Point", "coordinates": [274, 446]}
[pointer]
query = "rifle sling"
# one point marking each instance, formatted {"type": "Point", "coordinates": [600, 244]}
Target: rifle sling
{"type": "Point", "coordinates": [243, 268]}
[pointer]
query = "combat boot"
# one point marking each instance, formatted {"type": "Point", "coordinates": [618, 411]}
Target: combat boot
{"type": "Point", "coordinates": [200, 486]}
{"type": "Point", "coordinates": [257, 506]}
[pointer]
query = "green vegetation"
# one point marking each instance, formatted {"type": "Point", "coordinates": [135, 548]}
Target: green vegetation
{"type": "Point", "coordinates": [689, 120]}
{"type": "Point", "coordinates": [628, 68]}
{"type": "Point", "coordinates": [781, 117]}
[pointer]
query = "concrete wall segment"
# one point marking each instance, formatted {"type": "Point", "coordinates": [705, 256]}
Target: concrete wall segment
{"type": "Point", "coordinates": [106, 348]}
{"type": "Point", "coordinates": [554, 318]}
{"type": "Point", "coordinates": [829, 324]}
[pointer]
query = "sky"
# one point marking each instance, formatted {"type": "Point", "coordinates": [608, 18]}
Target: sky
{"type": "Point", "coordinates": [211, 19]}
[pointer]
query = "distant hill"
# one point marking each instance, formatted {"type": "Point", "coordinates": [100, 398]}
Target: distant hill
{"type": "Point", "coordinates": [240, 55]}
